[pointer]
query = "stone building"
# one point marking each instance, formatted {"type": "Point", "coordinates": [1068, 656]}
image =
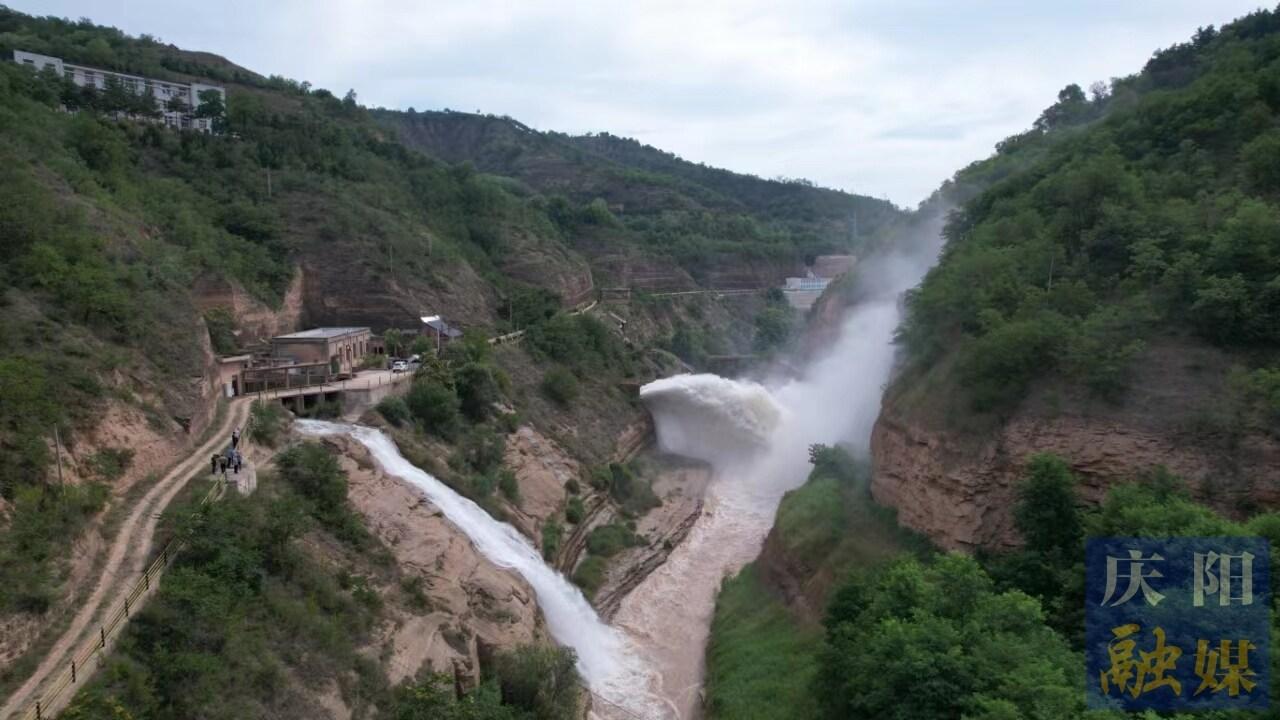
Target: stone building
{"type": "Point", "coordinates": [164, 91]}
{"type": "Point", "coordinates": [342, 348]}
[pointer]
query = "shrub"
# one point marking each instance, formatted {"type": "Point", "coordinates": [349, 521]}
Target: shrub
{"type": "Point", "coordinates": [222, 327]}
{"type": "Point", "coordinates": [541, 680]}
{"type": "Point", "coordinates": [315, 475]}
{"type": "Point", "coordinates": [435, 405]}
{"type": "Point", "coordinates": [482, 449]}
{"type": "Point", "coordinates": [110, 463]}
{"type": "Point", "coordinates": [477, 390]}
{"type": "Point", "coordinates": [632, 493]}
{"type": "Point", "coordinates": [609, 540]}
{"type": "Point", "coordinates": [1046, 513]}
{"type": "Point", "coordinates": [560, 385]}
{"type": "Point", "coordinates": [551, 535]}
{"type": "Point", "coordinates": [267, 421]}
{"type": "Point", "coordinates": [394, 410]}
{"type": "Point", "coordinates": [590, 574]}
{"type": "Point", "coordinates": [509, 486]}
{"type": "Point", "coordinates": [574, 512]}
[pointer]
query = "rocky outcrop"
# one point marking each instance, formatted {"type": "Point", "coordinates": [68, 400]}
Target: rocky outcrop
{"type": "Point", "coordinates": [542, 468]}
{"type": "Point", "coordinates": [255, 321]}
{"type": "Point", "coordinates": [474, 607]}
{"type": "Point", "coordinates": [959, 486]}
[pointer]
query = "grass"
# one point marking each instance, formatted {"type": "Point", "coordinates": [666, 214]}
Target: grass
{"type": "Point", "coordinates": [761, 657]}
{"type": "Point", "coordinates": [761, 660]}
{"type": "Point", "coordinates": [55, 623]}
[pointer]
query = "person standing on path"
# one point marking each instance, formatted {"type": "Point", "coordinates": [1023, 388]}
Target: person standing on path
{"type": "Point", "coordinates": [213, 463]}
{"type": "Point", "coordinates": [235, 438]}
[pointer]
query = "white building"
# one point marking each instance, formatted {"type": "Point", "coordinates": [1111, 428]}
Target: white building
{"type": "Point", "coordinates": [163, 90]}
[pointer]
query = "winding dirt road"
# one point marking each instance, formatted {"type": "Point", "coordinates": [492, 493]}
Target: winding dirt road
{"type": "Point", "coordinates": [129, 555]}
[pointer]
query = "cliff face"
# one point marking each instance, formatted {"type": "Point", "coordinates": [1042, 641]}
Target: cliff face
{"type": "Point", "coordinates": [255, 321]}
{"type": "Point", "coordinates": [474, 606]}
{"type": "Point", "coordinates": [958, 485]}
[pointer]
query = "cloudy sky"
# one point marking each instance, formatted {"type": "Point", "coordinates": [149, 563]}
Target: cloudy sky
{"type": "Point", "coordinates": [881, 97]}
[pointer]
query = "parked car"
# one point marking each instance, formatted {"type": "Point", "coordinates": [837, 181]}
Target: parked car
{"type": "Point", "coordinates": [399, 366]}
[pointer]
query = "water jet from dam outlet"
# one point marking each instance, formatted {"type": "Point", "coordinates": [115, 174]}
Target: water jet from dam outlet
{"type": "Point", "coordinates": [756, 436]}
{"type": "Point", "coordinates": [649, 664]}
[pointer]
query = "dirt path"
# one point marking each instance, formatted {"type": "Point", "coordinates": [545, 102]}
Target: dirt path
{"type": "Point", "coordinates": [129, 554]}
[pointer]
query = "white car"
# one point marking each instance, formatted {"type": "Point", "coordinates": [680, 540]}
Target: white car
{"type": "Point", "coordinates": [399, 366]}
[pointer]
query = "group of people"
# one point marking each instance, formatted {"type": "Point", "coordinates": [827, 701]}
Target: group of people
{"type": "Point", "coordinates": [230, 460]}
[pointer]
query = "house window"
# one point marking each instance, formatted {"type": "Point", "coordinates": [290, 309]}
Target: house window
{"type": "Point", "coordinates": [29, 62]}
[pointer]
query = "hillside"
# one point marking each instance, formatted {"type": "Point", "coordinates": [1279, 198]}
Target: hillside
{"type": "Point", "coordinates": [1111, 294]}
{"type": "Point", "coordinates": [724, 229]}
{"type": "Point", "coordinates": [1094, 355]}
{"type": "Point", "coordinates": [131, 252]}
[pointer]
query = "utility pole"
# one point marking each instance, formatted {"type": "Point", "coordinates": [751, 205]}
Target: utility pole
{"type": "Point", "coordinates": [57, 452]}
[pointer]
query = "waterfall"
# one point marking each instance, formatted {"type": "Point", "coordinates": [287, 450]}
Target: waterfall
{"type": "Point", "coordinates": [757, 436]}
{"type": "Point", "coordinates": [606, 659]}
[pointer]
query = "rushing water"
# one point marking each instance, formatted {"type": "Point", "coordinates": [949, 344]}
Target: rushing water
{"type": "Point", "coordinates": [757, 438]}
{"type": "Point", "coordinates": [607, 660]}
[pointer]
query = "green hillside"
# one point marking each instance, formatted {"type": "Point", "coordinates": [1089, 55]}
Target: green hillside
{"type": "Point", "coordinates": [1149, 208]}
{"type": "Point", "coordinates": [112, 225]}
{"type": "Point", "coordinates": [703, 218]}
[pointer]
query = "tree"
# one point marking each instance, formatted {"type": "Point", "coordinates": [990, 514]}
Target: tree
{"type": "Point", "coordinates": [176, 105]}
{"type": "Point", "coordinates": [1046, 514]}
{"type": "Point", "coordinates": [560, 385]}
{"type": "Point", "coordinates": [211, 106]}
{"type": "Point", "coordinates": [393, 339]}
{"type": "Point", "coordinates": [435, 405]}
{"type": "Point", "coordinates": [917, 642]}
{"type": "Point", "coordinates": [1072, 107]}
{"type": "Point", "coordinates": [773, 327]}
{"type": "Point", "coordinates": [477, 390]}
{"type": "Point", "coordinates": [433, 699]}
{"type": "Point", "coordinates": [542, 680]}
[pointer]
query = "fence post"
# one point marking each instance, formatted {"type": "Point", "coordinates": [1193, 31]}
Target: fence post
{"type": "Point", "coordinates": [103, 635]}
{"type": "Point", "coordinates": [39, 716]}
{"type": "Point", "coordinates": [73, 671]}
{"type": "Point", "coordinates": [126, 606]}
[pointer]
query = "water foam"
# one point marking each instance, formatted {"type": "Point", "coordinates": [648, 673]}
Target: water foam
{"type": "Point", "coordinates": [757, 439]}
{"type": "Point", "coordinates": [606, 659]}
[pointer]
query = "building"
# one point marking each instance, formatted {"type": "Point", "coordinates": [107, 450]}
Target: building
{"type": "Point", "coordinates": [164, 91]}
{"type": "Point", "coordinates": [435, 328]}
{"type": "Point", "coordinates": [341, 349]}
{"type": "Point", "coordinates": [807, 283]}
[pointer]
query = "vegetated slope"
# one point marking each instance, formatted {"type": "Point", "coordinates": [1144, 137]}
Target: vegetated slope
{"type": "Point", "coordinates": [724, 228]}
{"type": "Point", "coordinates": [120, 238]}
{"type": "Point", "coordinates": [285, 605]}
{"type": "Point", "coordinates": [1111, 295]}
{"type": "Point", "coordinates": [110, 229]}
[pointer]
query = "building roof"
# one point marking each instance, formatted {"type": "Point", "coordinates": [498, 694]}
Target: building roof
{"type": "Point", "coordinates": [437, 323]}
{"type": "Point", "coordinates": [324, 333]}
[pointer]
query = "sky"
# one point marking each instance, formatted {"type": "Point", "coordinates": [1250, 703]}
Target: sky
{"type": "Point", "coordinates": [886, 98]}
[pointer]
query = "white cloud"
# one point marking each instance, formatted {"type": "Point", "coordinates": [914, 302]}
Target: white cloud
{"type": "Point", "coordinates": [883, 97]}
